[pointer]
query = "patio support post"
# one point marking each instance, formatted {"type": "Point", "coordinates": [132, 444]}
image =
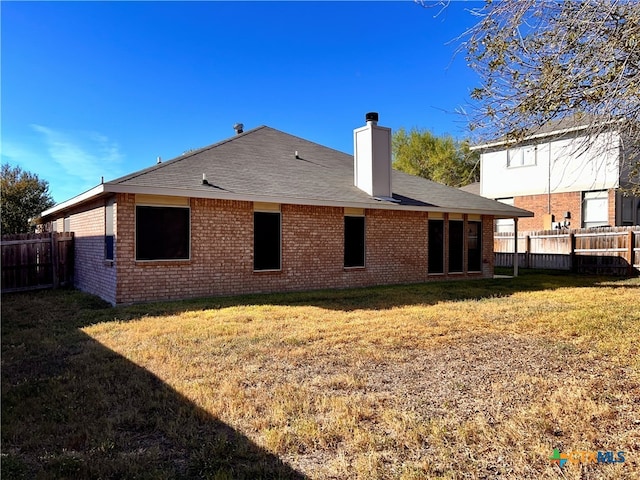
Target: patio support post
{"type": "Point", "coordinates": [515, 247]}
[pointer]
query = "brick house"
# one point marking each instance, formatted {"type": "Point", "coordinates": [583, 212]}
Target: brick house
{"type": "Point", "coordinates": [265, 211]}
{"type": "Point", "coordinates": [565, 176]}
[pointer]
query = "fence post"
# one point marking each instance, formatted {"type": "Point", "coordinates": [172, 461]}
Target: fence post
{"type": "Point", "coordinates": [527, 251]}
{"type": "Point", "coordinates": [572, 251]}
{"type": "Point", "coordinates": [55, 267]}
{"type": "Point", "coordinates": [515, 247]}
{"type": "Point", "coordinates": [631, 241]}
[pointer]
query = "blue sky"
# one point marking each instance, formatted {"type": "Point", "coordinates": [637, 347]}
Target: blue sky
{"type": "Point", "coordinates": [101, 89]}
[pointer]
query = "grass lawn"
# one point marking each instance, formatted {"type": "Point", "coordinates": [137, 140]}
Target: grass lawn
{"type": "Point", "coordinates": [470, 379]}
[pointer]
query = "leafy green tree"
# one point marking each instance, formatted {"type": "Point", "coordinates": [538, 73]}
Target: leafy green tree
{"type": "Point", "coordinates": [22, 196]}
{"type": "Point", "coordinates": [441, 159]}
{"type": "Point", "coordinates": [541, 61]}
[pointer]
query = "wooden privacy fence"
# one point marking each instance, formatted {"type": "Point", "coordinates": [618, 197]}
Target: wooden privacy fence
{"type": "Point", "coordinates": [36, 260]}
{"type": "Point", "coordinates": [604, 250]}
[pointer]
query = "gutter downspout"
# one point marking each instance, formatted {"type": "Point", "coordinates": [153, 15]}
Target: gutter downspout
{"type": "Point", "coordinates": [549, 183]}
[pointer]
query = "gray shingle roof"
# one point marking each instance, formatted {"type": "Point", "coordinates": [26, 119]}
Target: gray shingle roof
{"type": "Point", "coordinates": [472, 188]}
{"type": "Point", "coordinates": [561, 127]}
{"type": "Point", "coordinates": [262, 163]}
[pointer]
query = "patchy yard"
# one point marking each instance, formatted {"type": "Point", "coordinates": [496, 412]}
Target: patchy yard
{"type": "Point", "coordinates": [477, 379]}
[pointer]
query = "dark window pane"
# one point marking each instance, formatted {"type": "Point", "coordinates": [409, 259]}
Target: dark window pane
{"type": "Point", "coordinates": [108, 230]}
{"type": "Point", "coordinates": [108, 246]}
{"type": "Point", "coordinates": [456, 246]}
{"type": "Point", "coordinates": [436, 246]}
{"type": "Point", "coordinates": [162, 233]}
{"type": "Point", "coordinates": [266, 241]}
{"type": "Point", "coordinates": [474, 239]}
{"type": "Point", "coordinates": [354, 241]}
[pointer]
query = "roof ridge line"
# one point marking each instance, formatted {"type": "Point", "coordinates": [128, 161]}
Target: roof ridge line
{"type": "Point", "coordinates": [307, 140]}
{"type": "Point", "coordinates": [184, 156]}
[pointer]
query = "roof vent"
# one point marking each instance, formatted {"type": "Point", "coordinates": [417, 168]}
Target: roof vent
{"type": "Point", "coordinates": [159, 160]}
{"type": "Point", "coordinates": [239, 128]}
{"type": "Point", "coordinates": [371, 117]}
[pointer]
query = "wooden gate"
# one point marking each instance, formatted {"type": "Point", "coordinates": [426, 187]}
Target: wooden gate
{"type": "Point", "coordinates": [36, 260]}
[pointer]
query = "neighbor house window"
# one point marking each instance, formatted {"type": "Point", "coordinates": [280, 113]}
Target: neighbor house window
{"type": "Point", "coordinates": [522, 156]}
{"type": "Point", "coordinates": [504, 225]}
{"type": "Point", "coordinates": [474, 246]}
{"type": "Point", "coordinates": [436, 246]}
{"type": "Point", "coordinates": [162, 233]}
{"type": "Point", "coordinates": [266, 240]}
{"type": "Point", "coordinates": [108, 231]}
{"type": "Point", "coordinates": [456, 246]}
{"type": "Point", "coordinates": [595, 209]}
{"type": "Point", "coordinates": [354, 241]}
{"type": "Point", "coordinates": [628, 211]}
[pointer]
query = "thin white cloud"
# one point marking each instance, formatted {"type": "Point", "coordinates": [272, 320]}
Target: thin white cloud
{"type": "Point", "coordinates": [86, 156]}
{"type": "Point", "coordinates": [70, 162]}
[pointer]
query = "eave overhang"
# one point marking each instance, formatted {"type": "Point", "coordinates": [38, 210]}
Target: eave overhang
{"type": "Point", "coordinates": [105, 189]}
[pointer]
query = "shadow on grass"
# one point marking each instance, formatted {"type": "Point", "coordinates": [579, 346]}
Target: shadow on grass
{"type": "Point", "coordinates": [71, 408]}
{"type": "Point", "coordinates": [382, 297]}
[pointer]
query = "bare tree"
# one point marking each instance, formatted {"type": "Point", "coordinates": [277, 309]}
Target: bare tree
{"type": "Point", "coordinates": [544, 61]}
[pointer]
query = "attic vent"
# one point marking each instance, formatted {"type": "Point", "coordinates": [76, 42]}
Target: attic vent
{"type": "Point", "coordinates": [239, 128]}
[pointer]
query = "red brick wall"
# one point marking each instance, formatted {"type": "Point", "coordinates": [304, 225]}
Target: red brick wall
{"type": "Point", "coordinates": [396, 246]}
{"type": "Point", "coordinates": [312, 252]}
{"type": "Point", "coordinates": [222, 252]}
{"type": "Point", "coordinates": [560, 203]}
{"type": "Point", "coordinates": [538, 204]}
{"type": "Point", "coordinates": [612, 207]}
{"type": "Point", "coordinates": [91, 272]}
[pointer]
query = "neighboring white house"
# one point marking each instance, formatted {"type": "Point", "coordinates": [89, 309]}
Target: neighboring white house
{"type": "Point", "coordinates": [565, 176]}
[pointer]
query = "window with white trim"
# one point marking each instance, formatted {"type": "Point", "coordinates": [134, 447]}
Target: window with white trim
{"type": "Point", "coordinates": [522, 156]}
{"type": "Point", "coordinates": [595, 209]}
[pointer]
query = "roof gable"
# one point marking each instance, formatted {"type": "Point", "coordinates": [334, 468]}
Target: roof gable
{"type": "Point", "coordinates": [265, 164]}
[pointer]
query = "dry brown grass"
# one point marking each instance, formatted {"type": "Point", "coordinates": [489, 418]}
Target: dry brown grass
{"type": "Point", "coordinates": [485, 385]}
{"type": "Point", "coordinates": [417, 391]}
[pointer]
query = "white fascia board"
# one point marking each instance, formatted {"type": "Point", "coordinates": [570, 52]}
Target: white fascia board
{"type": "Point", "coordinates": [106, 188]}
{"type": "Point", "coordinates": [89, 194]}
